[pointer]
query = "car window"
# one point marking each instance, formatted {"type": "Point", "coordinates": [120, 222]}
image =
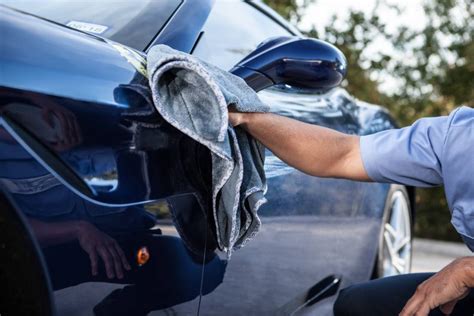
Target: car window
{"type": "Point", "coordinates": [133, 23]}
{"type": "Point", "coordinates": [232, 31]}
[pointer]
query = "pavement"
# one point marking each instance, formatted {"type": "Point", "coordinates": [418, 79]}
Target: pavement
{"type": "Point", "coordinates": [433, 255]}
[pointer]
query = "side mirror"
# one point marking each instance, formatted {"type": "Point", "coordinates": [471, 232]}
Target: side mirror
{"type": "Point", "coordinates": [303, 63]}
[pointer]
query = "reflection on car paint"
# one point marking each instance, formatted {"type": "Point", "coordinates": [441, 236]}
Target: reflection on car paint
{"type": "Point", "coordinates": [310, 225]}
{"type": "Point", "coordinates": [335, 109]}
{"type": "Point", "coordinates": [125, 152]}
{"type": "Point", "coordinates": [275, 167]}
{"type": "Point", "coordinates": [164, 272]}
{"type": "Point", "coordinates": [94, 109]}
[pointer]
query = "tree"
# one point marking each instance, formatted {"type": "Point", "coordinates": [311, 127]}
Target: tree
{"type": "Point", "coordinates": [291, 10]}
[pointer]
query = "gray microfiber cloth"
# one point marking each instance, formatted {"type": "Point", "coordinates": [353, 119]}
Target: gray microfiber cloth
{"type": "Point", "coordinates": [194, 97]}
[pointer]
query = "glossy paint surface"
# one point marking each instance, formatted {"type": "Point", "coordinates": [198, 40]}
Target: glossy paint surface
{"type": "Point", "coordinates": [76, 126]}
{"type": "Point", "coordinates": [64, 144]}
{"type": "Point", "coordinates": [79, 127]}
{"type": "Point", "coordinates": [312, 227]}
{"type": "Point", "coordinates": [89, 116]}
{"type": "Point", "coordinates": [303, 63]}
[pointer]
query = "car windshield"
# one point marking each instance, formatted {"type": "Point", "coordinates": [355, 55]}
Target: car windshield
{"type": "Point", "coordinates": [133, 23]}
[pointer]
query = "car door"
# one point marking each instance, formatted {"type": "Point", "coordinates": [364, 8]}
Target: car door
{"type": "Point", "coordinates": [311, 227]}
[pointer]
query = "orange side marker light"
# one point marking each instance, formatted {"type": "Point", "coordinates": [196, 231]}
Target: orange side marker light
{"type": "Point", "coordinates": [142, 256]}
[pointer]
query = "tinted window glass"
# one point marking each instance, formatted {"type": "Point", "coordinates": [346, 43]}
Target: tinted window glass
{"type": "Point", "coordinates": [133, 23]}
{"type": "Point", "coordinates": [232, 31]}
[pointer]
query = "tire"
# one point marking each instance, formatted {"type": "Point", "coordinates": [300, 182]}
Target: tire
{"type": "Point", "coordinates": [395, 242]}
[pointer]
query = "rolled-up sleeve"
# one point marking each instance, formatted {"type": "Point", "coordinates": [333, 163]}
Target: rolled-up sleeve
{"type": "Point", "coordinates": [409, 156]}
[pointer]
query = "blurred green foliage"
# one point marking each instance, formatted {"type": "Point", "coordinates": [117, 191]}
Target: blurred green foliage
{"type": "Point", "coordinates": [434, 65]}
{"type": "Point", "coordinates": [291, 10]}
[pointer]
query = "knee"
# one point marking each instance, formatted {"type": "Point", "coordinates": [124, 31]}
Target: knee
{"type": "Point", "coordinates": [350, 301]}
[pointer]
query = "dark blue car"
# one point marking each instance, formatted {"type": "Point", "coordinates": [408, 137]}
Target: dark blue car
{"type": "Point", "coordinates": [98, 208]}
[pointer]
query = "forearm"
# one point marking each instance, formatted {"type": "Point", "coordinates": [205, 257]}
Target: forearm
{"type": "Point", "coordinates": [49, 234]}
{"type": "Point", "coordinates": [312, 149]}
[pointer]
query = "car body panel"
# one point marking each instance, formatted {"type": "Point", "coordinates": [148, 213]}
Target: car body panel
{"type": "Point", "coordinates": [311, 227]}
{"type": "Point", "coordinates": [122, 154]}
{"type": "Point", "coordinates": [127, 155]}
{"type": "Point", "coordinates": [115, 131]}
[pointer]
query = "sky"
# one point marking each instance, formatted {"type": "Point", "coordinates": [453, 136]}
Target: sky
{"type": "Point", "coordinates": [320, 13]}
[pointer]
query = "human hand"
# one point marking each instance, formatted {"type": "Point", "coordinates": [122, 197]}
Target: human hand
{"type": "Point", "coordinates": [98, 244]}
{"type": "Point", "coordinates": [443, 290]}
{"type": "Point", "coordinates": [236, 118]}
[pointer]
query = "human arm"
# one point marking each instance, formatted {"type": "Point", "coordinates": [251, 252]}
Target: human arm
{"type": "Point", "coordinates": [51, 234]}
{"type": "Point", "coordinates": [410, 156]}
{"type": "Point", "coordinates": [443, 290]}
{"type": "Point", "coordinates": [315, 150]}
{"type": "Point", "coordinates": [94, 242]}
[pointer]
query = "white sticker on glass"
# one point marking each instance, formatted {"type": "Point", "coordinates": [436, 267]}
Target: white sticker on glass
{"type": "Point", "coordinates": [87, 27]}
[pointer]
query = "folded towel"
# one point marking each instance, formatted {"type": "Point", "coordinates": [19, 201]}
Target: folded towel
{"type": "Point", "coordinates": [194, 97]}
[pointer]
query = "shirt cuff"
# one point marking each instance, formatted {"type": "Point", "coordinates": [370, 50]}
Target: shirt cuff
{"type": "Point", "coordinates": [368, 153]}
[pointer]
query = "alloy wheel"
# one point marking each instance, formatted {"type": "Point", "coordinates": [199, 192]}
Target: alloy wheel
{"type": "Point", "coordinates": [397, 237]}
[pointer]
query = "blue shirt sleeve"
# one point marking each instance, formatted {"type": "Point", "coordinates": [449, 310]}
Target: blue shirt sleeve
{"type": "Point", "coordinates": [409, 156]}
{"type": "Point", "coordinates": [430, 152]}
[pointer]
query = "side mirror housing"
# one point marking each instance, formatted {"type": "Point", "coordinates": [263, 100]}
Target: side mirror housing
{"type": "Point", "coordinates": [302, 63]}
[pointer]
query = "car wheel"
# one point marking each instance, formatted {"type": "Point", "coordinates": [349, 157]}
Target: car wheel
{"type": "Point", "coordinates": [395, 243]}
